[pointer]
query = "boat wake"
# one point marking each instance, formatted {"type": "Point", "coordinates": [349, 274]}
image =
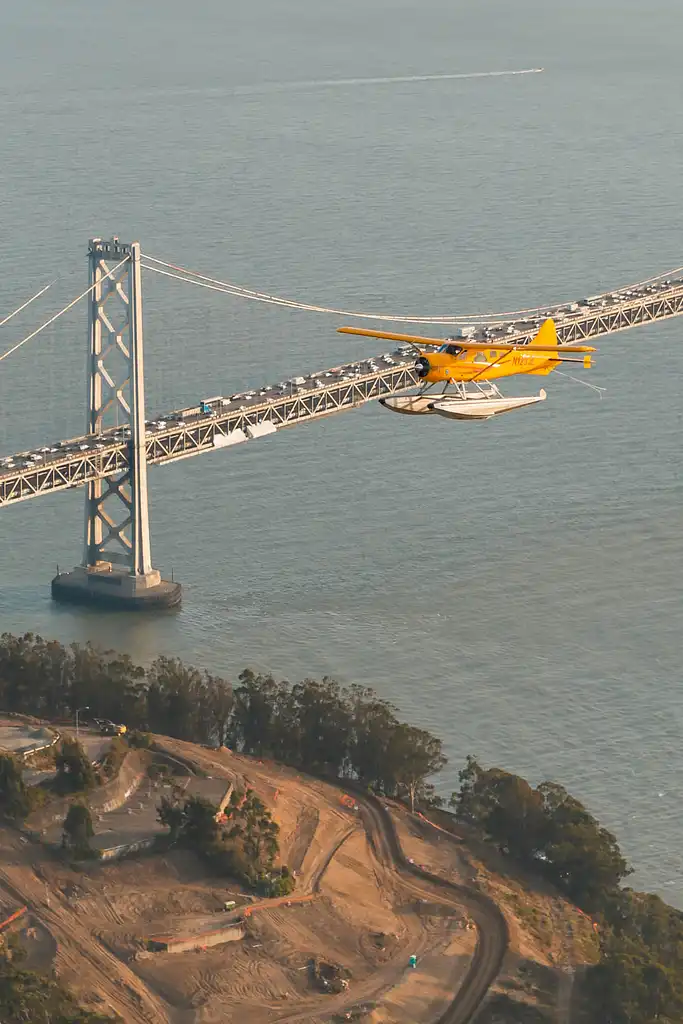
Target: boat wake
{"type": "Point", "coordinates": [328, 83]}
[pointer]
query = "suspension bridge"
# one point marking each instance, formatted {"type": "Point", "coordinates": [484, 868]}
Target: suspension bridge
{"type": "Point", "coordinates": [110, 459]}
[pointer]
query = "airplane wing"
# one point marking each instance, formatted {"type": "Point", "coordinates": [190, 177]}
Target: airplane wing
{"type": "Point", "coordinates": [474, 346]}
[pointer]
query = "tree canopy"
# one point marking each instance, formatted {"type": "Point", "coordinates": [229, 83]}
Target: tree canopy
{"type": "Point", "coordinates": [544, 828]}
{"type": "Point", "coordinates": [38, 998]}
{"type": "Point", "coordinates": [75, 772]}
{"type": "Point", "coordinates": [315, 725]}
{"type": "Point", "coordinates": [639, 978]}
{"type": "Point", "coordinates": [342, 732]}
{"type": "Point", "coordinates": [78, 830]}
{"type": "Point", "coordinates": [242, 841]}
{"type": "Point", "coordinates": [15, 800]}
{"type": "Point", "coordinates": [640, 975]}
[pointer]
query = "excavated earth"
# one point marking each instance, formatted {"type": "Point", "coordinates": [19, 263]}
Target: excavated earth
{"type": "Point", "coordinates": [352, 911]}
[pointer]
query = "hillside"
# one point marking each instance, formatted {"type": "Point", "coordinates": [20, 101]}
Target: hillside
{"type": "Point", "coordinates": [339, 944]}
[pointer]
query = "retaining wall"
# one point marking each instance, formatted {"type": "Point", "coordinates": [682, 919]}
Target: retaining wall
{"type": "Point", "coordinates": [27, 753]}
{"type": "Point", "coordinates": [14, 720]}
{"type": "Point", "coordinates": [116, 852]}
{"type": "Point", "coordinates": [186, 943]}
{"type": "Point", "coordinates": [101, 800]}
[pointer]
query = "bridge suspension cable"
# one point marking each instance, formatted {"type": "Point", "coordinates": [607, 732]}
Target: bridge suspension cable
{"type": "Point", "coordinates": [27, 303]}
{"type": "Point", "coordinates": [238, 291]}
{"type": "Point", "coordinates": [229, 288]}
{"type": "Point", "coordinates": [61, 312]}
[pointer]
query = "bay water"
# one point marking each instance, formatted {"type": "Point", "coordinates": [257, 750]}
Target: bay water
{"type": "Point", "coordinates": [513, 586]}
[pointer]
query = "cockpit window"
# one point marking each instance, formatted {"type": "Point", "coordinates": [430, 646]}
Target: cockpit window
{"type": "Point", "coordinates": [453, 350]}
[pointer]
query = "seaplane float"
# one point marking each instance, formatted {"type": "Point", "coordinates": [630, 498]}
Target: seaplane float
{"type": "Point", "coordinates": [464, 372]}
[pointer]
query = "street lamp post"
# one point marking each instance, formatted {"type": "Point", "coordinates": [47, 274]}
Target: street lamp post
{"type": "Point", "coordinates": [78, 711]}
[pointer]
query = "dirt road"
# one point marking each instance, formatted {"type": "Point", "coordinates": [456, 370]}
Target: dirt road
{"type": "Point", "coordinates": [492, 929]}
{"type": "Point", "coordinates": [83, 952]}
{"type": "Point", "coordinates": [78, 949]}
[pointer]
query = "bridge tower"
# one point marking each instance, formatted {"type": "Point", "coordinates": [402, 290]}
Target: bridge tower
{"type": "Point", "coordinates": [117, 564]}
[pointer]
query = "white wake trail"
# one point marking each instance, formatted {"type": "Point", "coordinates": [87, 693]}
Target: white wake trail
{"type": "Point", "coordinates": [325, 83]}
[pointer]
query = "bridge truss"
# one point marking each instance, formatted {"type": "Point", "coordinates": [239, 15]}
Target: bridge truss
{"type": "Point", "coordinates": [110, 466]}
{"type": "Point", "coordinates": [203, 435]}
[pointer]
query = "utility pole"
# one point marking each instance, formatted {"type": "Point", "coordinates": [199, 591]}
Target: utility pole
{"type": "Point", "coordinates": [78, 711]}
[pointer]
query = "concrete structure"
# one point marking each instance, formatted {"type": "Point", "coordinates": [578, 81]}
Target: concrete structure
{"type": "Point", "coordinates": [124, 811]}
{"type": "Point", "coordinates": [46, 822]}
{"type": "Point", "coordinates": [23, 740]}
{"type": "Point", "coordinates": [202, 940]}
{"type": "Point", "coordinates": [94, 745]}
{"type": "Point", "coordinates": [126, 849]}
{"type": "Point", "coordinates": [134, 825]}
{"type": "Point", "coordinates": [117, 562]}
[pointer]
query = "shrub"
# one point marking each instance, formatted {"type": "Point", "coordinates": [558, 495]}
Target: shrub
{"type": "Point", "coordinates": [75, 773]}
{"type": "Point", "coordinates": [78, 831]}
{"type": "Point", "coordinates": [113, 759]}
{"type": "Point", "coordinates": [15, 800]}
{"type": "Point", "coordinates": [139, 739]}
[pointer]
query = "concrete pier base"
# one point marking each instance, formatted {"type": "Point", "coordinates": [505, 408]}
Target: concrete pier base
{"type": "Point", "coordinates": [105, 586]}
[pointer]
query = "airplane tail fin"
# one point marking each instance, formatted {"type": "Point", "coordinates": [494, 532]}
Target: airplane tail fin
{"type": "Point", "coordinates": [547, 337]}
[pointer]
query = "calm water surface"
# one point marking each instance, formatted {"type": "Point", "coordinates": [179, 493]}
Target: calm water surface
{"type": "Point", "coordinates": [514, 585]}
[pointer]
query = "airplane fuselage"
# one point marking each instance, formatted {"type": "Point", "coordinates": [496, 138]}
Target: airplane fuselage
{"type": "Point", "coordinates": [453, 363]}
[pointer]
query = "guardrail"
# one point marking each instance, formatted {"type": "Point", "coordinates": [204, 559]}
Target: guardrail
{"type": "Point", "coordinates": [36, 750]}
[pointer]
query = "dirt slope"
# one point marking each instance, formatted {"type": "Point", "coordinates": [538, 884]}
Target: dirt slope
{"type": "Point", "coordinates": [363, 905]}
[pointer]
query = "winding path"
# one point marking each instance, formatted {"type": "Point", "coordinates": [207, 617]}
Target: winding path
{"type": "Point", "coordinates": [127, 992]}
{"type": "Point", "coordinates": [493, 936]}
{"type": "Point", "coordinates": [492, 930]}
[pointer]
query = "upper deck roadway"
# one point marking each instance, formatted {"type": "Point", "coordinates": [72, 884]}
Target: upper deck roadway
{"type": "Point", "coordinates": [184, 433]}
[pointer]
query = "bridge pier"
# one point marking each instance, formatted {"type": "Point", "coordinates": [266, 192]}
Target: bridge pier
{"type": "Point", "coordinates": [117, 564]}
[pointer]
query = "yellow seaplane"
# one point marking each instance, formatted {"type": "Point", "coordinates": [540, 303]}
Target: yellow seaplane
{"type": "Point", "coordinates": [465, 370]}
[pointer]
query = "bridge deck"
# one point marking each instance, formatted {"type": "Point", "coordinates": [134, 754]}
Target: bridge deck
{"type": "Point", "coordinates": [60, 470]}
{"type": "Point", "coordinates": [198, 434]}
